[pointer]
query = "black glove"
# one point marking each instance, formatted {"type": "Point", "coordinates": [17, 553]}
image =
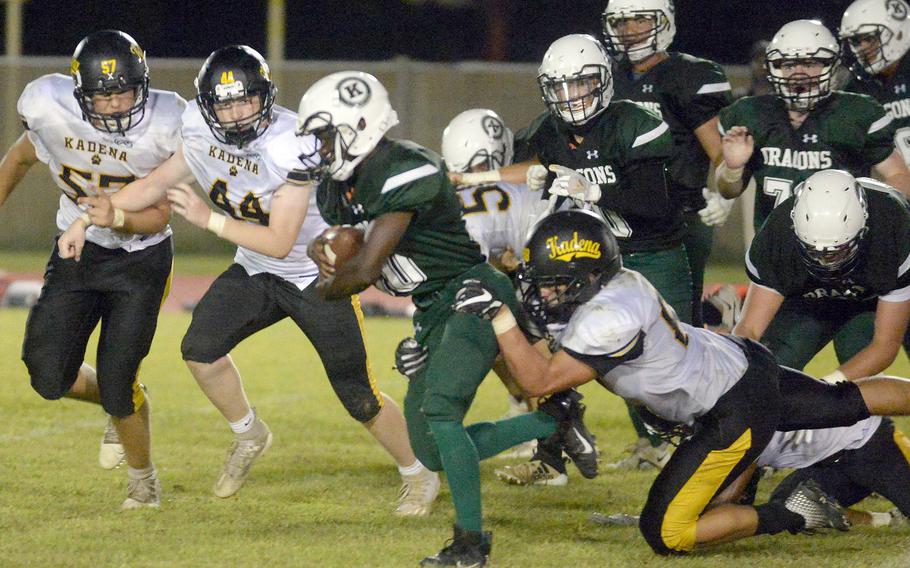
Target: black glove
{"type": "Point", "coordinates": [410, 357]}
{"type": "Point", "coordinates": [474, 299]}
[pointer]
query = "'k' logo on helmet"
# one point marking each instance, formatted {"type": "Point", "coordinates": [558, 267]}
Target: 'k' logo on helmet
{"type": "Point", "coordinates": [896, 9]}
{"type": "Point", "coordinates": [492, 126]}
{"type": "Point", "coordinates": [354, 91]}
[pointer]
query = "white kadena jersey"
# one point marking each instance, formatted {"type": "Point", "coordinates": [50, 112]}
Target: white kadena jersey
{"type": "Point", "coordinates": [242, 181]}
{"type": "Point", "coordinates": [81, 157]}
{"type": "Point", "coordinates": [500, 216]}
{"type": "Point", "coordinates": [679, 371]}
{"type": "Point", "coordinates": [782, 452]}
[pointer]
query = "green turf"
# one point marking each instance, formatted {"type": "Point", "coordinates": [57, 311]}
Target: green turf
{"type": "Point", "coordinates": [324, 494]}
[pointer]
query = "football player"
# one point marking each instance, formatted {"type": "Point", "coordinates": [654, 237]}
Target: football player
{"type": "Point", "coordinates": [611, 153]}
{"type": "Point", "coordinates": [417, 245]}
{"type": "Point", "coordinates": [878, 34]}
{"type": "Point", "coordinates": [781, 139]}
{"type": "Point", "coordinates": [833, 261]}
{"type": "Point", "coordinates": [687, 93]}
{"type": "Point", "coordinates": [240, 146]}
{"type": "Point", "coordinates": [728, 391]}
{"type": "Point", "coordinates": [98, 130]}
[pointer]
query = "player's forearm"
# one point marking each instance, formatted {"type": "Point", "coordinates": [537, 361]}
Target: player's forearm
{"type": "Point", "coordinates": [516, 173]}
{"type": "Point", "coordinates": [730, 183]}
{"type": "Point", "coordinates": [138, 195]}
{"type": "Point", "coordinates": [149, 221]}
{"type": "Point", "coordinates": [355, 276]}
{"type": "Point", "coordinates": [900, 182]}
{"type": "Point", "coordinates": [526, 364]}
{"type": "Point", "coordinates": [15, 164]}
{"type": "Point", "coordinates": [260, 238]}
{"type": "Point", "coordinates": [871, 360]}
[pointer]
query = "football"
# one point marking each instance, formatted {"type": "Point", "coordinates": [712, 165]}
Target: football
{"type": "Point", "coordinates": [342, 243]}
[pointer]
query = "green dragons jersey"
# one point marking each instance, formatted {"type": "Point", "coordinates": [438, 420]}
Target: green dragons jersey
{"type": "Point", "coordinates": [883, 268]}
{"type": "Point", "coordinates": [687, 92]}
{"type": "Point", "coordinates": [402, 176]}
{"type": "Point", "coordinates": [624, 151]}
{"type": "Point", "coordinates": [892, 92]}
{"type": "Point", "coordinates": [846, 131]}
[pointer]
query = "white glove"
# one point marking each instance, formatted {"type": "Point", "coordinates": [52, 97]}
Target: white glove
{"type": "Point", "coordinates": [716, 210]}
{"type": "Point", "coordinates": [570, 183]}
{"type": "Point", "coordinates": [798, 437]}
{"type": "Point", "coordinates": [536, 177]}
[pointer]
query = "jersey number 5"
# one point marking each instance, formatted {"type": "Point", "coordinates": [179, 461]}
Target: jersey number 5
{"type": "Point", "coordinates": [249, 210]}
{"type": "Point", "coordinates": [79, 180]}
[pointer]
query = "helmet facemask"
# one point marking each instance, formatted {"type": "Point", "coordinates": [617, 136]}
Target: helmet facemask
{"type": "Point", "coordinates": [636, 46]}
{"type": "Point", "coordinates": [331, 156]}
{"type": "Point", "coordinates": [565, 294]}
{"type": "Point", "coordinates": [114, 122]}
{"type": "Point", "coordinates": [801, 90]}
{"type": "Point", "coordinates": [868, 46]}
{"type": "Point", "coordinates": [244, 130]}
{"type": "Point", "coordinates": [834, 262]}
{"type": "Point", "coordinates": [578, 98]}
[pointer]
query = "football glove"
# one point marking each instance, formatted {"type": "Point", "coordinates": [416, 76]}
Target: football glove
{"type": "Point", "coordinates": [474, 299]}
{"type": "Point", "coordinates": [536, 177]}
{"type": "Point", "coordinates": [717, 208]}
{"type": "Point", "coordinates": [410, 357]}
{"type": "Point", "coordinates": [570, 183]}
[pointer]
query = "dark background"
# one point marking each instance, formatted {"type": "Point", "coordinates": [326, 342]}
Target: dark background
{"type": "Point", "coordinates": [441, 30]}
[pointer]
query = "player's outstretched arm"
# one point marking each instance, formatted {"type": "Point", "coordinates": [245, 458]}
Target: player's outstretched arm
{"type": "Point", "coordinates": [365, 267]}
{"type": "Point", "coordinates": [16, 163]}
{"type": "Point", "coordinates": [893, 171]}
{"type": "Point", "coordinates": [890, 325]}
{"type": "Point", "coordinates": [758, 310]}
{"type": "Point", "coordinates": [289, 209]}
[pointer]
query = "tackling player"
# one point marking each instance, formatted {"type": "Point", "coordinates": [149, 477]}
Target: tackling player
{"type": "Point", "coordinates": [95, 138]}
{"type": "Point", "coordinates": [416, 244]}
{"type": "Point", "coordinates": [240, 147]}
{"type": "Point", "coordinates": [780, 140]}
{"type": "Point", "coordinates": [832, 262]}
{"type": "Point", "coordinates": [728, 391]}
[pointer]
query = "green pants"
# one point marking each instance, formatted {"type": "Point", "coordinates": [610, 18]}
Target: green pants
{"type": "Point", "coordinates": [800, 329]}
{"type": "Point", "coordinates": [699, 239]}
{"type": "Point", "coordinates": [668, 271]}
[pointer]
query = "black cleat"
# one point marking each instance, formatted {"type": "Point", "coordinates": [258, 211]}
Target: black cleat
{"type": "Point", "coordinates": [577, 441]}
{"type": "Point", "coordinates": [818, 509]}
{"type": "Point", "coordinates": [467, 549]}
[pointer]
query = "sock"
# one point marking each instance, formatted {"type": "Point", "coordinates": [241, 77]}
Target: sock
{"type": "Point", "coordinates": [244, 424]}
{"type": "Point", "coordinates": [640, 428]}
{"type": "Point", "coordinates": [773, 518]}
{"type": "Point", "coordinates": [143, 473]}
{"type": "Point", "coordinates": [880, 519]}
{"type": "Point", "coordinates": [491, 438]}
{"type": "Point", "coordinates": [462, 468]}
{"type": "Point", "coordinates": [412, 469]}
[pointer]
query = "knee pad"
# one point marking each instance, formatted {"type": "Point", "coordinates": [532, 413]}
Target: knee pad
{"type": "Point", "coordinates": [362, 407]}
{"type": "Point", "coordinates": [676, 539]}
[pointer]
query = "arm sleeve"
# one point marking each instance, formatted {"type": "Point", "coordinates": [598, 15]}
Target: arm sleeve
{"type": "Point", "coordinates": [759, 261]}
{"type": "Point", "coordinates": [604, 363]}
{"type": "Point", "coordinates": [29, 105]}
{"type": "Point", "coordinates": [703, 95]}
{"type": "Point", "coordinates": [414, 188]}
{"type": "Point", "coordinates": [603, 337]}
{"type": "Point", "coordinates": [879, 139]}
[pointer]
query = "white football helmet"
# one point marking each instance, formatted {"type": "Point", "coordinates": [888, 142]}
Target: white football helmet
{"type": "Point", "coordinates": [829, 219]}
{"type": "Point", "coordinates": [575, 79]}
{"type": "Point", "coordinates": [477, 137]}
{"type": "Point", "coordinates": [663, 16]}
{"type": "Point", "coordinates": [877, 31]}
{"type": "Point", "coordinates": [802, 41]}
{"type": "Point", "coordinates": [349, 112]}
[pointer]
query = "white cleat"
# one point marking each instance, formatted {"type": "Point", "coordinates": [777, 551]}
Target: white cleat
{"type": "Point", "coordinates": [417, 493]}
{"type": "Point", "coordinates": [142, 493]}
{"type": "Point", "coordinates": [239, 460]}
{"type": "Point", "coordinates": [111, 454]}
{"type": "Point", "coordinates": [642, 455]}
{"type": "Point", "coordinates": [534, 472]}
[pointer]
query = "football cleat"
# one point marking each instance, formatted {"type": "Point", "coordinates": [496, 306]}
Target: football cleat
{"type": "Point", "coordinates": [417, 493]}
{"type": "Point", "coordinates": [239, 460]}
{"type": "Point", "coordinates": [642, 455]}
{"type": "Point", "coordinates": [571, 433]}
{"type": "Point", "coordinates": [144, 492]}
{"type": "Point", "coordinates": [534, 472]}
{"type": "Point", "coordinates": [614, 520]}
{"type": "Point", "coordinates": [467, 549]}
{"type": "Point", "coordinates": [818, 509]}
{"type": "Point", "coordinates": [111, 453]}
{"type": "Point", "coordinates": [520, 452]}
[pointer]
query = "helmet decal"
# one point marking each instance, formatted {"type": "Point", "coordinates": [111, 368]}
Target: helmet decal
{"type": "Point", "coordinates": [354, 92]}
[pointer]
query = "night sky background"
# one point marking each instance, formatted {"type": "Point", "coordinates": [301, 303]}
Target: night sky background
{"type": "Point", "coordinates": [446, 30]}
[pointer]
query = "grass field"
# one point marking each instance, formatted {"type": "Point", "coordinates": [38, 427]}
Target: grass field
{"type": "Point", "coordinates": [323, 496]}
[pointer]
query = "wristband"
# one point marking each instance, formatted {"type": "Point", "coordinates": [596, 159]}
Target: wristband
{"type": "Point", "coordinates": [835, 377]}
{"type": "Point", "coordinates": [87, 219]}
{"type": "Point", "coordinates": [503, 322]}
{"type": "Point", "coordinates": [480, 178]}
{"type": "Point", "coordinates": [216, 223]}
{"type": "Point", "coordinates": [119, 219]}
{"type": "Point", "coordinates": [727, 174]}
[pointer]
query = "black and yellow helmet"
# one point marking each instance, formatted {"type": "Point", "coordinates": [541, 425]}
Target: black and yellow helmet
{"type": "Point", "coordinates": [572, 251]}
{"type": "Point", "coordinates": [232, 73]}
{"type": "Point", "coordinates": [108, 62]}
